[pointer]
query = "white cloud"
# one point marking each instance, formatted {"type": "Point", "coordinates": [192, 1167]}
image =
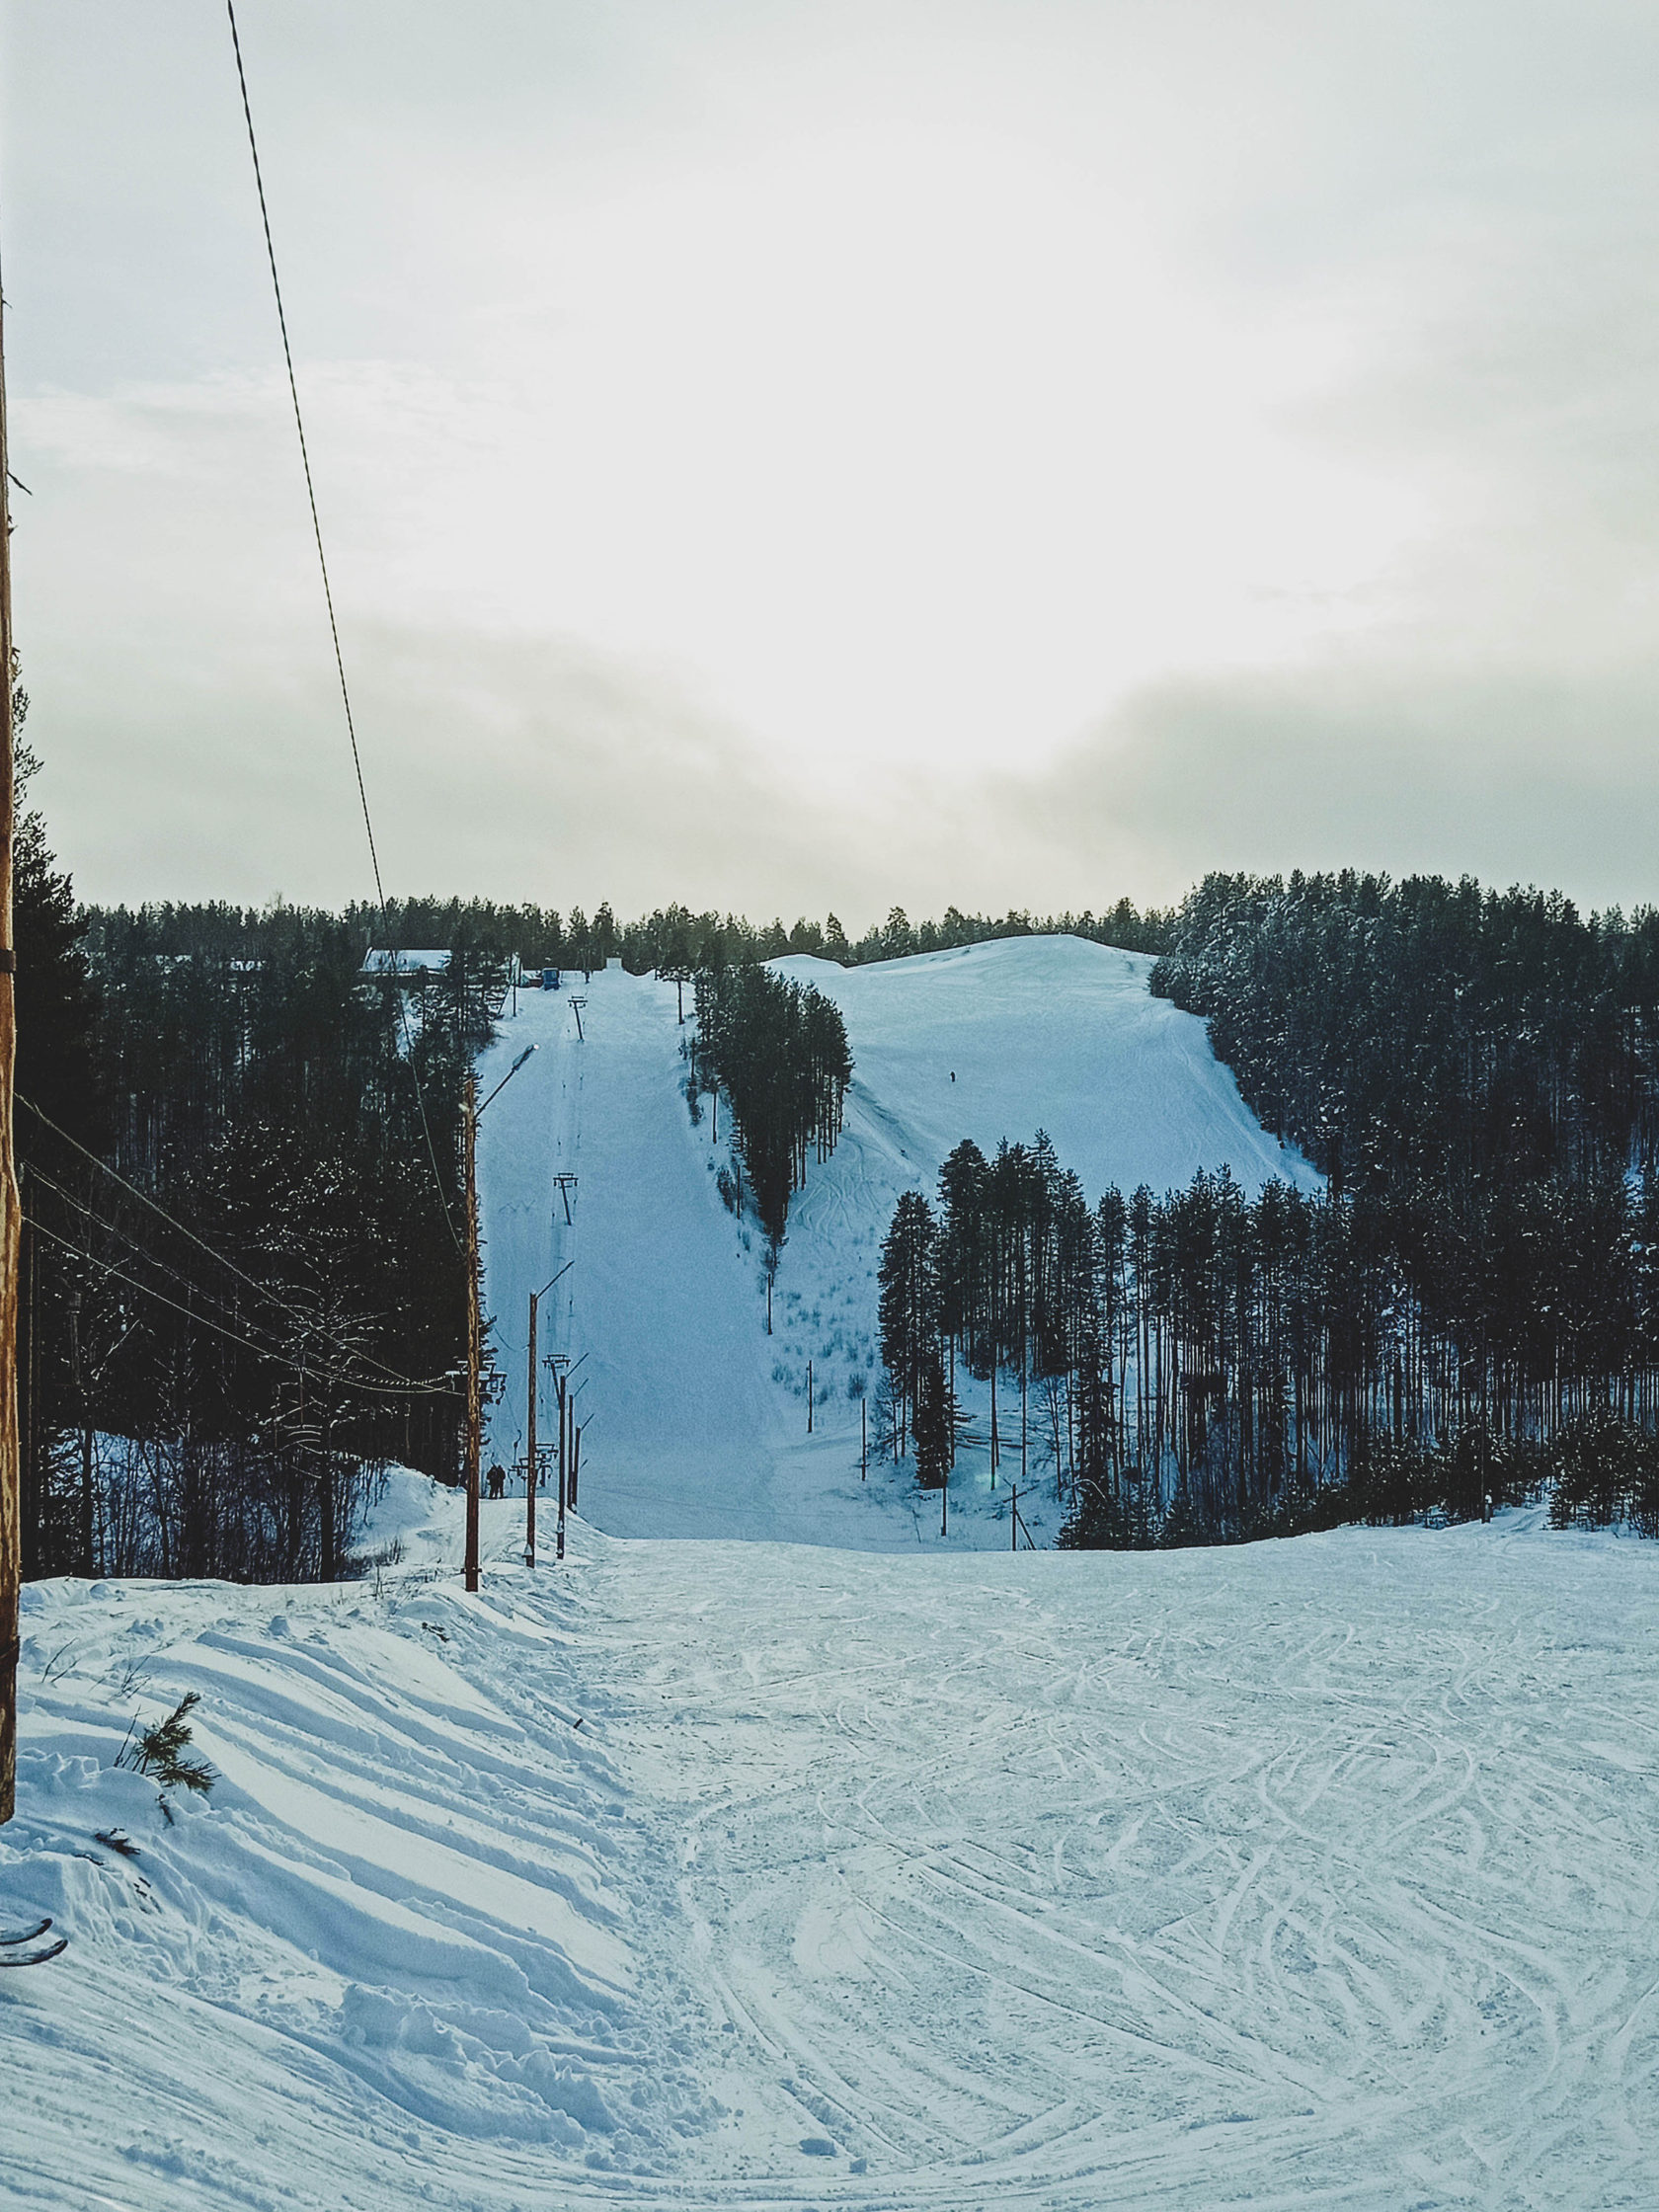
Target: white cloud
{"type": "Point", "coordinates": [875, 402]}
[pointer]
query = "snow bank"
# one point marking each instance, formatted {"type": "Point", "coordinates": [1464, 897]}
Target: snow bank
{"type": "Point", "coordinates": [406, 1903]}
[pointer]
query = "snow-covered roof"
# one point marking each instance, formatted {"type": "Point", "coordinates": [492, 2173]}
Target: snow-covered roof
{"type": "Point", "coordinates": [383, 963]}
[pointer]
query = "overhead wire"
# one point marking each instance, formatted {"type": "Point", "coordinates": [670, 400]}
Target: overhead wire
{"type": "Point", "coordinates": [395, 1383]}
{"type": "Point", "coordinates": [267, 1346]}
{"type": "Point", "coordinates": [96, 1220]}
{"type": "Point", "coordinates": [305, 460]}
{"type": "Point", "coordinates": [316, 1371]}
{"type": "Point", "coordinates": [284, 1305]}
{"type": "Point", "coordinates": [334, 626]}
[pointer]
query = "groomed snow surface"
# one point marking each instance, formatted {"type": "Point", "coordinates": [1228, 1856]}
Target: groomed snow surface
{"type": "Point", "coordinates": [873, 1871]}
{"type": "Point", "coordinates": [1314, 1873]}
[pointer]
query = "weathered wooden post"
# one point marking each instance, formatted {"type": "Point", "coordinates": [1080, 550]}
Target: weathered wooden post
{"type": "Point", "coordinates": [475, 1331]}
{"type": "Point", "coordinates": [10, 1210]}
{"type": "Point", "coordinates": [530, 1444]}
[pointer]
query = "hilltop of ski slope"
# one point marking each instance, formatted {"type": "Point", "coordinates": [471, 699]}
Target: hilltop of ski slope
{"type": "Point", "coordinates": [695, 1417]}
{"type": "Point", "coordinates": [1047, 1033]}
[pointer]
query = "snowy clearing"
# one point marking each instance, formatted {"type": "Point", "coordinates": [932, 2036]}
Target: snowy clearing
{"type": "Point", "coordinates": [1309, 1873]}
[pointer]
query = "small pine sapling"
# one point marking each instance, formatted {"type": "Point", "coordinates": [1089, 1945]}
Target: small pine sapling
{"type": "Point", "coordinates": [161, 1751]}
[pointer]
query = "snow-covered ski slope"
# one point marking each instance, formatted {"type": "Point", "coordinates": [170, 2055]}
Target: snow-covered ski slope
{"type": "Point", "coordinates": [697, 1418]}
{"type": "Point", "coordinates": [724, 1876]}
{"type": "Point", "coordinates": [766, 1877]}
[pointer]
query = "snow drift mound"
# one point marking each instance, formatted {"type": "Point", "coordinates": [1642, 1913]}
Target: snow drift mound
{"type": "Point", "coordinates": [406, 1901]}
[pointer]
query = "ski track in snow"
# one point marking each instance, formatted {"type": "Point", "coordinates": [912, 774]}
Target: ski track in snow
{"type": "Point", "coordinates": [905, 1877]}
{"type": "Point", "coordinates": [1313, 1873]}
{"type": "Point", "coordinates": [1307, 1875]}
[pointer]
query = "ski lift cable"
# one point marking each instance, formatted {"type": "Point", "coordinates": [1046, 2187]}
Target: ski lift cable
{"type": "Point", "coordinates": [334, 626]}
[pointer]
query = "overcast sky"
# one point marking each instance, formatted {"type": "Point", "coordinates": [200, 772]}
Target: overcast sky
{"type": "Point", "coordinates": [794, 456]}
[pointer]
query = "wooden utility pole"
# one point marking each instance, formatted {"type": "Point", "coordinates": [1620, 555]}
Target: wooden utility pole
{"type": "Point", "coordinates": [809, 1398]}
{"type": "Point", "coordinates": [11, 1211]}
{"type": "Point", "coordinates": [475, 1331]}
{"type": "Point", "coordinates": [564, 1424]}
{"type": "Point", "coordinates": [73, 1303]}
{"type": "Point", "coordinates": [530, 1445]}
{"type": "Point", "coordinates": [863, 1440]}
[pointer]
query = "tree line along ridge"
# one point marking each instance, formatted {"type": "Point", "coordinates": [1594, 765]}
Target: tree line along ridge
{"type": "Point", "coordinates": [1471, 1307]}
{"type": "Point", "coordinates": [1476, 1074]}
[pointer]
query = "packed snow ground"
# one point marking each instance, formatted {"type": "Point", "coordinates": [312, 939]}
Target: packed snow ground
{"type": "Point", "coordinates": [696, 1418]}
{"type": "Point", "coordinates": [752, 1875]}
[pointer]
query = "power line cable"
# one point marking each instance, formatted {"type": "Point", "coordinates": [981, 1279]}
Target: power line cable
{"type": "Point", "coordinates": [284, 1305]}
{"type": "Point", "coordinates": [317, 1372]}
{"type": "Point", "coordinates": [154, 1205]}
{"type": "Point", "coordinates": [270, 1347]}
{"type": "Point", "coordinates": [305, 460]}
{"type": "Point", "coordinates": [328, 596]}
{"type": "Point", "coordinates": [111, 1228]}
